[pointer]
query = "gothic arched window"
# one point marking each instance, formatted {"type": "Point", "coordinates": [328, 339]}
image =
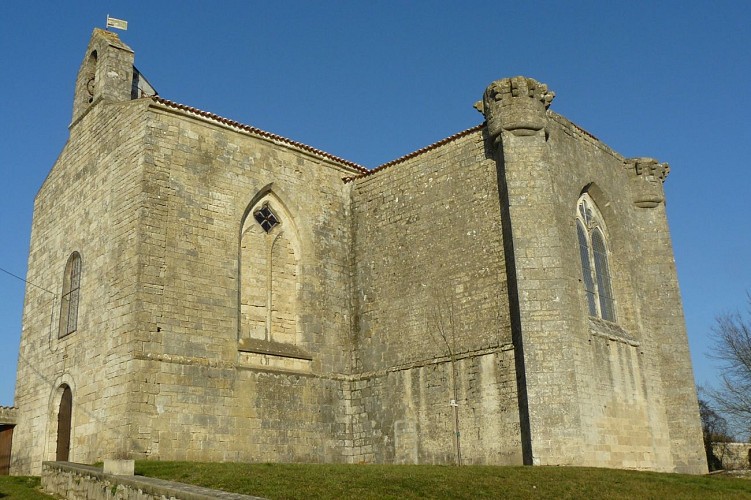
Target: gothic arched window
{"type": "Point", "coordinates": [71, 295]}
{"type": "Point", "coordinates": [269, 273]}
{"type": "Point", "coordinates": [594, 260]}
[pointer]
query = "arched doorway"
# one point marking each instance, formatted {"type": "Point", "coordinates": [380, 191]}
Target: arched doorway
{"type": "Point", "coordinates": [63, 425]}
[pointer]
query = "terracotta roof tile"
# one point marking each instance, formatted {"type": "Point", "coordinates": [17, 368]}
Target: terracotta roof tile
{"type": "Point", "coordinates": [364, 172]}
{"type": "Point", "coordinates": [406, 157]}
{"type": "Point", "coordinates": [257, 131]}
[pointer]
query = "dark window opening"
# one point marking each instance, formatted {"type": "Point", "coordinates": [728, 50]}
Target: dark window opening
{"type": "Point", "coordinates": [266, 218]}
{"type": "Point", "coordinates": [71, 296]}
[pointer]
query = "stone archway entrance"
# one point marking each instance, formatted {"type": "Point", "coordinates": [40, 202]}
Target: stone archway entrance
{"type": "Point", "coordinates": [63, 425]}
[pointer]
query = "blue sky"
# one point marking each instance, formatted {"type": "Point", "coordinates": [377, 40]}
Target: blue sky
{"type": "Point", "coordinates": [371, 81]}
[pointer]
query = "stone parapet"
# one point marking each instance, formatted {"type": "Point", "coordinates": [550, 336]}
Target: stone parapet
{"type": "Point", "coordinates": [75, 481]}
{"type": "Point", "coordinates": [8, 415]}
{"type": "Point", "coordinates": [734, 456]}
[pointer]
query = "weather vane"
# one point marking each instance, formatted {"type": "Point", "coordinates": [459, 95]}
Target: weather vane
{"type": "Point", "coordinates": [116, 23]}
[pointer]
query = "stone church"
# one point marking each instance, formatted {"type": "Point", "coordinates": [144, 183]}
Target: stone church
{"type": "Point", "coordinates": [507, 295]}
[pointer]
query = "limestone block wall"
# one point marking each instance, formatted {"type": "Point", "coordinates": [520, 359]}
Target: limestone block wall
{"type": "Point", "coordinates": [202, 411]}
{"type": "Point", "coordinates": [733, 456]}
{"type": "Point", "coordinates": [619, 368]}
{"type": "Point", "coordinates": [200, 182]}
{"type": "Point", "coordinates": [429, 264]}
{"type": "Point", "coordinates": [589, 376]}
{"type": "Point", "coordinates": [206, 384]}
{"type": "Point", "coordinates": [88, 204]}
{"type": "Point", "coordinates": [662, 316]}
{"type": "Point", "coordinates": [239, 301]}
{"type": "Point", "coordinates": [614, 375]}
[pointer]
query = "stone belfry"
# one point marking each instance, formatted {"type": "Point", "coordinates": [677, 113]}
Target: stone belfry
{"type": "Point", "coordinates": [107, 74]}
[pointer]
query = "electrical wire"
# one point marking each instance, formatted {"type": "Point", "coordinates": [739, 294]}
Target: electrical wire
{"type": "Point", "coordinates": [27, 282]}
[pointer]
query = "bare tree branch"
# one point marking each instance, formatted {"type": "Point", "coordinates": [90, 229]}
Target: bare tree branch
{"type": "Point", "coordinates": [715, 432]}
{"type": "Point", "coordinates": [445, 328]}
{"type": "Point", "coordinates": [732, 347]}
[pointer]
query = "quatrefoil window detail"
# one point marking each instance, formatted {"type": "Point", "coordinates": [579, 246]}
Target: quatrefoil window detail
{"type": "Point", "coordinates": [266, 218]}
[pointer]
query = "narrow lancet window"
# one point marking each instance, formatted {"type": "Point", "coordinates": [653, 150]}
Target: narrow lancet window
{"type": "Point", "coordinates": [70, 296]}
{"type": "Point", "coordinates": [594, 260]}
{"type": "Point", "coordinates": [269, 274]}
{"type": "Point", "coordinates": [589, 284]}
{"type": "Point", "coordinates": [602, 272]}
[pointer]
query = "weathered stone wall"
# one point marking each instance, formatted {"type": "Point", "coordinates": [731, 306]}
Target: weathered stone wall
{"type": "Point", "coordinates": [223, 413]}
{"type": "Point", "coordinates": [622, 414]}
{"type": "Point", "coordinates": [589, 386]}
{"type": "Point", "coordinates": [87, 204]}
{"type": "Point", "coordinates": [200, 182]}
{"type": "Point", "coordinates": [429, 265]}
{"type": "Point", "coordinates": [613, 367]}
{"type": "Point", "coordinates": [154, 198]}
{"type": "Point", "coordinates": [733, 456]}
{"type": "Point", "coordinates": [8, 415]}
{"type": "Point", "coordinates": [365, 319]}
{"type": "Point", "coordinates": [196, 395]}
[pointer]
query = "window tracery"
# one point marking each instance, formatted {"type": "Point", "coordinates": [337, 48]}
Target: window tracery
{"type": "Point", "coordinates": [594, 260]}
{"type": "Point", "coordinates": [266, 218]}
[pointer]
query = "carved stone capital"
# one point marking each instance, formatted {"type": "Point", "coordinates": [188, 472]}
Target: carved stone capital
{"type": "Point", "coordinates": [647, 176]}
{"type": "Point", "coordinates": [516, 105]}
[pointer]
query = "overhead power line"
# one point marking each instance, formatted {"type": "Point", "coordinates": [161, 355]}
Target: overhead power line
{"type": "Point", "coordinates": [25, 281]}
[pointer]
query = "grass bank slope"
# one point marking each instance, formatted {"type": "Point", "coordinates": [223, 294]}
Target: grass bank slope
{"type": "Point", "coordinates": [289, 481]}
{"type": "Point", "coordinates": [21, 488]}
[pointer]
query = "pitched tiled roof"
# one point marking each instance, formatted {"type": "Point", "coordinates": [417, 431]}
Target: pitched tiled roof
{"type": "Point", "coordinates": [257, 131]}
{"type": "Point", "coordinates": [364, 172]}
{"type": "Point", "coordinates": [406, 157]}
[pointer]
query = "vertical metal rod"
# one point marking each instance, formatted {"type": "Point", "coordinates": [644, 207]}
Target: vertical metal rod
{"type": "Point", "coordinates": [455, 404]}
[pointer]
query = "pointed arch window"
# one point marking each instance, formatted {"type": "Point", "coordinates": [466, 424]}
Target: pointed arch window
{"type": "Point", "coordinates": [70, 296]}
{"type": "Point", "coordinates": [269, 274]}
{"type": "Point", "coordinates": [594, 260]}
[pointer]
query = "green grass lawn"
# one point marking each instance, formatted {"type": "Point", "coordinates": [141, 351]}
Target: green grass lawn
{"type": "Point", "coordinates": [278, 481]}
{"type": "Point", "coordinates": [21, 488]}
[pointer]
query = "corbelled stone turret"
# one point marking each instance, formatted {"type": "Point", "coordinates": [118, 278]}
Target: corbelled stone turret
{"type": "Point", "coordinates": [647, 176]}
{"type": "Point", "coordinates": [516, 105]}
